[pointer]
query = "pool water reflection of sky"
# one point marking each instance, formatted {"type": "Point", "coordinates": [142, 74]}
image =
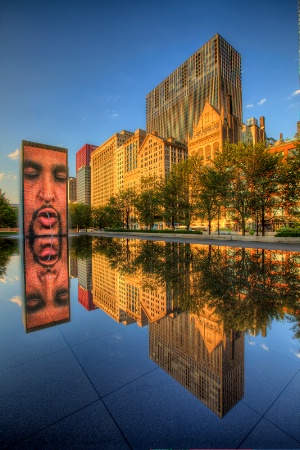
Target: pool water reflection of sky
{"type": "Point", "coordinates": [124, 343]}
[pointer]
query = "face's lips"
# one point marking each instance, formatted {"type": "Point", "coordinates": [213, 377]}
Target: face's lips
{"type": "Point", "coordinates": [47, 217]}
{"type": "Point", "coordinates": [48, 255]}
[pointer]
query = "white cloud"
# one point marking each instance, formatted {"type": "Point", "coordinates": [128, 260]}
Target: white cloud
{"type": "Point", "coordinates": [262, 101]}
{"type": "Point", "coordinates": [250, 105]}
{"type": "Point", "coordinates": [114, 115]}
{"type": "Point", "coordinates": [16, 299]}
{"type": "Point", "coordinates": [295, 93]}
{"type": "Point", "coordinates": [14, 155]}
{"type": "Point", "coordinates": [265, 347]}
{"type": "Point", "coordinates": [7, 176]}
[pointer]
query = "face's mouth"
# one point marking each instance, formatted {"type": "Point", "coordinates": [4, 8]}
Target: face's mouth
{"type": "Point", "coordinates": [48, 255]}
{"type": "Point", "coordinates": [47, 218]}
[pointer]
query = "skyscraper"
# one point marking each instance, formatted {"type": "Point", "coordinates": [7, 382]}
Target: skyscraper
{"type": "Point", "coordinates": [208, 76]}
{"type": "Point", "coordinates": [83, 174]}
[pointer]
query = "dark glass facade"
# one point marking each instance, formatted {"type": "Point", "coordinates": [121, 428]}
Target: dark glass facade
{"type": "Point", "coordinates": [209, 75]}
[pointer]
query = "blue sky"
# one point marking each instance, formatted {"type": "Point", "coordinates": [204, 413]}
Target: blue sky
{"type": "Point", "coordinates": [76, 72]}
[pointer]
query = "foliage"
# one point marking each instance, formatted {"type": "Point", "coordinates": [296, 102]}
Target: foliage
{"type": "Point", "coordinates": [80, 215]}
{"type": "Point", "coordinates": [147, 204]}
{"type": "Point", "coordinates": [288, 232]}
{"type": "Point", "coordinates": [254, 181]}
{"type": "Point", "coordinates": [7, 248]}
{"type": "Point", "coordinates": [8, 215]}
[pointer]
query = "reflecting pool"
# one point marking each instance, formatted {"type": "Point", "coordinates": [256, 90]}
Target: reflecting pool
{"type": "Point", "coordinates": [127, 343]}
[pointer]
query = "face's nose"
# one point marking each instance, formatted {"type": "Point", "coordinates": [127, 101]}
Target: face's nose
{"type": "Point", "coordinates": [46, 192]}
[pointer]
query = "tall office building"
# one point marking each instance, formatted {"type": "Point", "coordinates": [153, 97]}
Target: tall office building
{"type": "Point", "coordinates": [83, 156]}
{"type": "Point", "coordinates": [83, 173]}
{"type": "Point", "coordinates": [72, 195]}
{"type": "Point", "coordinates": [105, 161]}
{"type": "Point", "coordinates": [208, 76]}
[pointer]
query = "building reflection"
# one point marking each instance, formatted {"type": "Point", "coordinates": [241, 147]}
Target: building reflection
{"type": "Point", "coordinates": [198, 301]}
{"type": "Point", "coordinates": [46, 282]}
{"type": "Point", "coordinates": [85, 294]}
{"type": "Point", "coordinates": [195, 350]}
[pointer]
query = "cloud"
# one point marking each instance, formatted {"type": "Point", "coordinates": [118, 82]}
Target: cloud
{"type": "Point", "coordinates": [7, 176]}
{"type": "Point", "coordinates": [14, 155]}
{"type": "Point", "coordinates": [295, 93]}
{"type": "Point", "coordinates": [264, 347]}
{"type": "Point", "coordinates": [114, 115]}
{"type": "Point", "coordinates": [16, 299]}
{"type": "Point", "coordinates": [262, 101]}
{"type": "Point", "coordinates": [250, 105]}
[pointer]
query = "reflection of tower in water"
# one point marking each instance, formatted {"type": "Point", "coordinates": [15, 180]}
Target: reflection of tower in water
{"type": "Point", "coordinates": [198, 354]}
{"type": "Point", "coordinates": [85, 295]}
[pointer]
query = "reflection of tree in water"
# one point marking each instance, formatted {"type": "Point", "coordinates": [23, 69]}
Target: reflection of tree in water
{"type": "Point", "coordinates": [7, 248]}
{"type": "Point", "coordinates": [81, 246]}
{"type": "Point", "coordinates": [247, 288]}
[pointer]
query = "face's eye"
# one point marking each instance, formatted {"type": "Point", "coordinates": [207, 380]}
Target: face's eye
{"type": "Point", "coordinates": [62, 297]}
{"type": "Point", "coordinates": [61, 177]}
{"type": "Point", "coordinates": [34, 303]}
{"type": "Point", "coordinates": [30, 173]}
{"type": "Point", "coordinates": [60, 174]}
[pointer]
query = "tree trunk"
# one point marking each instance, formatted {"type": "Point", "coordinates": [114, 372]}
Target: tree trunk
{"type": "Point", "coordinates": [262, 221]}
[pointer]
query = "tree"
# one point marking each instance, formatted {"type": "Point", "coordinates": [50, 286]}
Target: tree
{"type": "Point", "coordinates": [8, 215]}
{"type": "Point", "coordinates": [290, 182]}
{"type": "Point", "coordinates": [213, 185]}
{"type": "Point", "coordinates": [100, 217]}
{"type": "Point", "coordinates": [254, 181]}
{"type": "Point", "coordinates": [147, 204]}
{"type": "Point", "coordinates": [172, 198]}
{"type": "Point", "coordinates": [125, 201]}
{"type": "Point", "coordinates": [113, 214]}
{"type": "Point", "coordinates": [263, 173]}
{"type": "Point", "coordinates": [80, 215]}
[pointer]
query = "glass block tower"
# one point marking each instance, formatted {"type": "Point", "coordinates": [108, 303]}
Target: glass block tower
{"type": "Point", "coordinates": [209, 75]}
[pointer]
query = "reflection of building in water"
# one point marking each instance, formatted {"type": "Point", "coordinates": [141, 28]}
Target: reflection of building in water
{"type": "Point", "coordinates": [197, 353]}
{"type": "Point", "coordinates": [46, 282]}
{"type": "Point", "coordinates": [85, 295]}
{"type": "Point", "coordinates": [108, 289]}
{"type": "Point", "coordinates": [73, 267]}
{"type": "Point", "coordinates": [128, 298]}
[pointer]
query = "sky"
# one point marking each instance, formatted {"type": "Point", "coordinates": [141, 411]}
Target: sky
{"type": "Point", "coordinates": [75, 72]}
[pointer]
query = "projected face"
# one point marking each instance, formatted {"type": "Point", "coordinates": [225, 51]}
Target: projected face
{"type": "Point", "coordinates": [46, 282]}
{"type": "Point", "coordinates": [45, 176]}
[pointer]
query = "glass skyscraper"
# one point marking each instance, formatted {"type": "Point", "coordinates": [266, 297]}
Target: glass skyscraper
{"type": "Point", "coordinates": [209, 75]}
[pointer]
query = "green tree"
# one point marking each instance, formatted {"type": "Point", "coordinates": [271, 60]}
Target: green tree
{"type": "Point", "coordinates": [125, 201]}
{"type": "Point", "coordinates": [290, 183]}
{"type": "Point", "coordinates": [113, 213]}
{"type": "Point", "coordinates": [264, 181]}
{"type": "Point", "coordinates": [212, 195]}
{"type": "Point", "coordinates": [147, 204]}
{"type": "Point", "coordinates": [100, 217]}
{"type": "Point", "coordinates": [172, 197]}
{"type": "Point", "coordinates": [8, 215]}
{"type": "Point", "coordinates": [80, 215]}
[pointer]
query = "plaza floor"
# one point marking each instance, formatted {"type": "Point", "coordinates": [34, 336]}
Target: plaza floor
{"type": "Point", "coordinates": [90, 383]}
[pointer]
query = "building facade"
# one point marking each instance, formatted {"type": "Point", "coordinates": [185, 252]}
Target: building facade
{"type": "Point", "coordinates": [83, 173]}
{"type": "Point", "coordinates": [84, 185]}
{"type": "Point", "coordinates": [72, 190]}
{"type": "Point", "coordinates": [208, 76]}
{"type": "Point", "coordinates": [104, 168]}
{"type": "Point", "coordinates": [211, 132]}
{"type": "Point", "coordinates": [253, 132]}
{"type": "Point", "coordinates": [157, 155]}
{"type": "Point", "coordinates": [83, 156]}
